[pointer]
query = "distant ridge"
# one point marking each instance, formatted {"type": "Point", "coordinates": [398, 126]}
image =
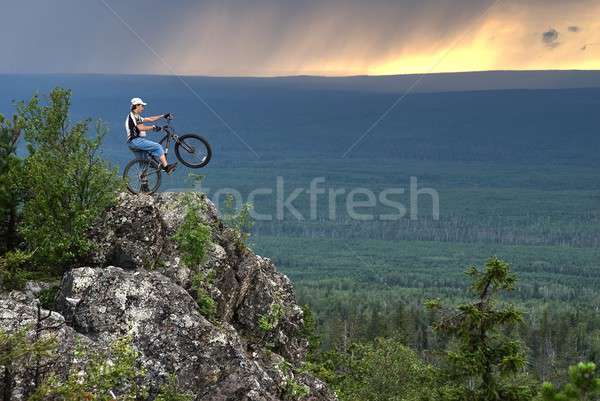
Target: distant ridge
{"type": "Point", "coordinates": [453, 82]}
{"type": "Point", "coordinates": [436, 82]}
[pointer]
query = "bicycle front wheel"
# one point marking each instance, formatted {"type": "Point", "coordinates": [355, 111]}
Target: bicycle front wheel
{"type": "Point", "coordinates": [142, 176]}
{"type": "Point", "coordinates": [193, 150]}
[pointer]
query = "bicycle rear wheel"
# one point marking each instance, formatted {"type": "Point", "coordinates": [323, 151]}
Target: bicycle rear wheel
{"type": "Point", "coordinates": [193, 150]}
{"type": "Point", "coordinates": [142, 176]}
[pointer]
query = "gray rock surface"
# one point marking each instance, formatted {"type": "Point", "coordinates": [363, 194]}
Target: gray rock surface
{"type": "Point", "coordinates": [166, 327]}
{"type": "Point", "coordinates": [138, 233]}
{"type": "Point", "coordinates": [136, 284]}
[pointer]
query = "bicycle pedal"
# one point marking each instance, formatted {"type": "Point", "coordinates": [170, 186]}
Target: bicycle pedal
{"type": "Point", "coordinates": [170, 169]}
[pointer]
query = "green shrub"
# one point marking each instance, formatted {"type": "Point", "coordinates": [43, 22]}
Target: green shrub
{"type": "Point", "coordinates": [292, 389]}
{"type": "Point", "coordinates": [382, 370]}
{"type": "Point", "coordinates": [18, 348]}
{"type": "Point", "coordinates": [238, 220]}
{"type": "Point", "coordinates": [13, 271]}
{"type": "Point", "coordinates": [117, 371]}
{"type": "Point", "coordinates": [269, 321]}
{"type": "Point", "coordinates": [28, 352]}
{"type": "Point", "coordinates": [66, 182]}
{"type": "Point", "coordinates": [206, 305]}
{"type": "Point", "coordinates": [169, 392]}
{"type": "Point", "coordinates": [193, 237]}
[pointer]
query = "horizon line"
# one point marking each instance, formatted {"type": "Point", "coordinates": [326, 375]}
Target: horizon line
{"type": "Point", "coordinates": [291, 75]}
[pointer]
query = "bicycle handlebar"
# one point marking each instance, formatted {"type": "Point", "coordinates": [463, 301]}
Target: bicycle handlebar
{"type": "Point", "coordinates": [168, 119]}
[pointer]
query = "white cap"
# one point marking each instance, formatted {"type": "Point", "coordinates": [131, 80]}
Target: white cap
{"type": "Point", "coordinates": [136, 100]}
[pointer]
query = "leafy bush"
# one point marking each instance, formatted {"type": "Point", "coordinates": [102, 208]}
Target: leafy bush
{"type": "Point", "coordinates": [238, 220]}
{"type": "Point", "coordinates": [116, 371]}
{"type": "Point", "coordinates": [17, 348]}
{"type": "Point", "coordinates": [193, 236]}
{"type": "Point", "coordinates": [206, 305]}
{"type": "Point", "coordinates": [66, 184]}
{"type": "Point", "coordinates": [269, 321]}
{"type": "Point", "coordinates": [292, 389]}
{"type": "Point", "coordinates": [28, 352]}
{"type": "Point", "coordinates": [381, 370]}
{"type": "Point", "coordinates": [169, 392]}
{"type": "Point", "coordinates": [13, 271]}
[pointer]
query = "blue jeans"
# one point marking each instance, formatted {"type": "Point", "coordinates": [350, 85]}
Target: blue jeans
{"type": "Point", "coordinates": [145, 145]}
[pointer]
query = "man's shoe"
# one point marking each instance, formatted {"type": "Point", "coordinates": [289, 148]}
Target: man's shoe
{"type": "Point", "coordinates": [169, 168]}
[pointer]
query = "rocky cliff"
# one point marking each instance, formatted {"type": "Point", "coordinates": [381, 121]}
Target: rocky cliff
{"type": "Point", "coordinates": [136, 284]}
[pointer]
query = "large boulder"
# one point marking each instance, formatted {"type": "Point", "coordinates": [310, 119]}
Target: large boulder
{"type": "Point", "coordinates": [137, 233]}
{"type": "Point", "coordinates": [129, 235]}
{"type": "Point", "coordinates": [166, 328]}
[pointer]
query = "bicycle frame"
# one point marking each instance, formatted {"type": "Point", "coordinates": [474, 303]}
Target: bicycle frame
{"type": "Point", "coordinates": [165, 142]}
{"type": "Point", "coordinates": [169, 135]}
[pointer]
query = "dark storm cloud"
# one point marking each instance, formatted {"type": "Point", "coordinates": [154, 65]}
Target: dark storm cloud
{"type": "Point", "coordinates": [258, 36]}
{"type": "Point", "coordinates": [84, 35]}
{"type": "Point", "coordinates": [550, 38]}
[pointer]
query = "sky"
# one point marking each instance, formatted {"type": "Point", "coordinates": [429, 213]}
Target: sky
{"type": "Point", "coordinates": [297, 37]}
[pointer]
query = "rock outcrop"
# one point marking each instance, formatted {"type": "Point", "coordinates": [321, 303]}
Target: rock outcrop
{"type": "Point", "coordinates": [136, 284]}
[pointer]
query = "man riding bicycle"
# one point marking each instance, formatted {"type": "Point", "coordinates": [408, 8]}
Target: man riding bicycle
{"type": "Point", "coordinates": [136, 133]}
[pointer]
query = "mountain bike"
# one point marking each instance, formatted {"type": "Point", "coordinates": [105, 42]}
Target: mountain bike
{"type": "Point", "coordinates": [143, 174]}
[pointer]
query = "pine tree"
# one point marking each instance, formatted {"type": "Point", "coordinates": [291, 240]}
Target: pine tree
{"type": "Point", "coordinates": [482, 362]}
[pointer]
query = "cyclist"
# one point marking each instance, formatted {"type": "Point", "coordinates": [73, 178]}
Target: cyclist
{"type": "Point", "coordinates": [136, 133]}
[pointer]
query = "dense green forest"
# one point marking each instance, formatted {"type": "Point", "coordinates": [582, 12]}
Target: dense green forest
{"type": "Point", "coordinates": [362, 289]}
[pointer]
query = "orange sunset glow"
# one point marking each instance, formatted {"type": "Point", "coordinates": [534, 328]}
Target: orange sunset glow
{"type": "Point", "coordinates": [371, 40]}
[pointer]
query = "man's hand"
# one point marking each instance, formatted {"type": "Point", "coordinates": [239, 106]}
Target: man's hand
{"type": "Point", "coordinates": [156, 128]}
{"type": "Point", "coordinates": [167, 116]}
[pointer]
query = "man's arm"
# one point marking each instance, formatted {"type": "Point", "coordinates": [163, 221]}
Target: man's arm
{"type": "Point", "coordinates": [143, 127]}
{"type": "Point", "coordinates": [153, 118]}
